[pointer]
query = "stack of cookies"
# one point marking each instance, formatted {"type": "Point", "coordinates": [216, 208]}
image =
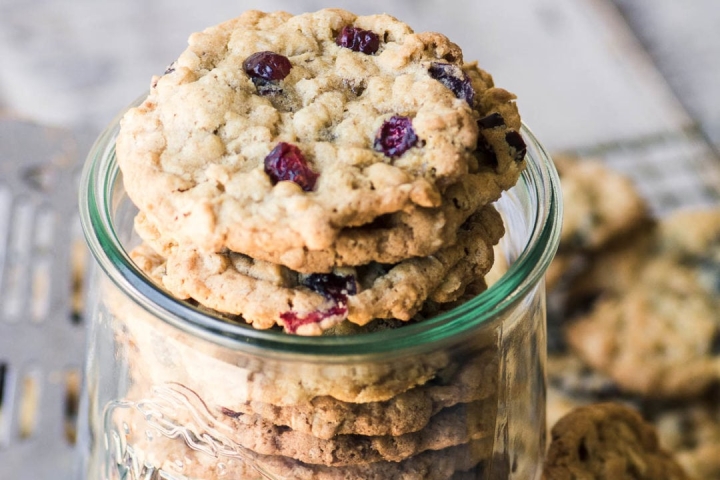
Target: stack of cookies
{"type": "Point", "coordinates": [298, 171]}
{"type": "Point", "coordinates": [319, 174]}
{"type": "Point", "coordinates": [639, 321]}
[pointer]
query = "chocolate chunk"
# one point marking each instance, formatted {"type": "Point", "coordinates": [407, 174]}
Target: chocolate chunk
{"type": "Point", "coordinates": [491, 121]}
{"type": "Point", "coordinates": [517, 143]}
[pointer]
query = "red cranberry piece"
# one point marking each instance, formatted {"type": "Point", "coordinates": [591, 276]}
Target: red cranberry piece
{"type": "Point", "coordinates": [516, 143]}
{"type": "Point", "coordinates": [395, 137]}
{"type": "Point", "coordinates": [358, 40]}
{"type": "Point", "coordinates": [453, 78]}
{"type": "Point", "coordinates": [267, 66]}
{"type": "Point", "coordinates": [286, 162]}
{"type": "Point", "coordinates": [293, 321]}
{"type": "Point", "coordinates": [332, 286]}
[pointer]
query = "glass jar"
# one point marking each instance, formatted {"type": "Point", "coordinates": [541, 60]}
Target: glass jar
{"type": "Point", "coordinates": [174, 392]}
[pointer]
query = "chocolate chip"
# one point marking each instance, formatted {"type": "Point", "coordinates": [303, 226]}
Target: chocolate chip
{"type": "Point", "coordinates": [491, 121]}
{"type": "Point", "coordinates": [517, 143]}
{"type": "Point", "coordinates": [486, 151]}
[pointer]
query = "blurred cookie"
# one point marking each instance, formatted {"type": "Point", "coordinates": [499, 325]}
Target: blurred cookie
{"type": "Point", "coordinates": [450, 427]}
{"type": "Point", "coordinates": [190, 456]}
{"type": "Point", "coordinates": [325, 417]}
{"type": "Point", "coordinates": [607, 442]}
{"type": "Point", "coordinates": [692, 432]}
{"type": "Point", "coordinates": [600, 206]}
{"type": "Point", "coordinates": [656, 331]}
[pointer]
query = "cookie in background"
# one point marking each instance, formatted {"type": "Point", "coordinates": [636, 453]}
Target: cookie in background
{"type": "Point", "coordinates": [634, 315]}
{"type": "Point", "coordinates": [608, 441]}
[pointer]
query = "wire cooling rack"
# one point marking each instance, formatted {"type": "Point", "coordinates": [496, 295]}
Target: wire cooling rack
{"type": "Point", "coordinates": [41, 329]}
{"type": "Point", "coordinates": [43, 262]}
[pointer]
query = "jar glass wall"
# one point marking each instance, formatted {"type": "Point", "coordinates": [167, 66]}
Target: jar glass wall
{"type": "Point", "coordinates": [173, 391]}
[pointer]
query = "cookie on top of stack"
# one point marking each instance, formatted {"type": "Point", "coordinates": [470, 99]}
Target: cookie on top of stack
{"type": "Point", "coordinates": [306, 160]}
{"type": "Point", "coordinates": [319, 174]}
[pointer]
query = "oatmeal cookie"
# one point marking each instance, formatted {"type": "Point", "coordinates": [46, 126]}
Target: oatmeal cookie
{"type": "Point", "coordinates": [194, 457]}
{"type": "Point", "coordinates": [692, 432]}
{"type": "Point", "coordinates": [607, 442]}
{"type": "Point", "coordinates": [657, 339]}
{"type": "Point", "coordinates": [599, 204]}
{"type": "Point", "coordinates": [473, 379]}
{"type": "Point", "coordinates": [266, 294]}
{"type": "Point", "coordinates": [453, 426]}
{"type": "Point", "coordinates": [158, 353]}
{"type": "Point", "coordinates": [600, 208]}
{"type": "Point", "coordinates": [273, 132]}
{"type": "Point", "coordinates": [655, 330]}
{"type": "Point", "coordinates": [690, 429]}
{"type": "Point", "coordinates": [417, 232]}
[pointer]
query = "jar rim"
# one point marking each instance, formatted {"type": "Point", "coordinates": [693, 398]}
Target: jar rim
{"type": "Point", "coordinates": [101, 175]}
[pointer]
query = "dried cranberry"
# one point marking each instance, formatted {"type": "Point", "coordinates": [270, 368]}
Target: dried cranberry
{"type": "Point", "coordinates": [293, 321]}
{"type": "Point", "coordinates": [455, 79]}
{"type": "Point", "coordinates": [332, 286]}
{"type": "Point", "coordinates": [358, 40]}
{"type": "Point", "coordinates": [286, 162]}
{"type": "Point", "coordinates": [491, 121]}
{"type": "Point", "coordinates": [516, 143]}
{"type": "Point", "coordinates": [395, 137]}
{"type": "Point", "coordinates": [267, 66]}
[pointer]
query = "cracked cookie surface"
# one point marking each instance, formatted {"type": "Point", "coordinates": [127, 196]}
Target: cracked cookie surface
{"type": "Point", "coordinates": [197, 155]}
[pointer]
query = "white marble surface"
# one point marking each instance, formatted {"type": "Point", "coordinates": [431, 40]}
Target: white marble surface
{"type": "Point", "coordinates": [579, 73]}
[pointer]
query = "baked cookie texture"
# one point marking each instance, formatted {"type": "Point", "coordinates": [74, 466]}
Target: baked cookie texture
{"type": "Point", "coordinates": [193, 460]}
{"type": "Point", "coordinates": [607, 441]}
{"type": "Point", "coordinates": [193, 153]}
{"type": "Point", "coordinates": [654, 329]}
{"type": "Point", "coordinates": [600, 204]}
{"type": "Point", "coordinates": [266, 294]}
{"type": "Point", "coordinates": [600, 207]}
